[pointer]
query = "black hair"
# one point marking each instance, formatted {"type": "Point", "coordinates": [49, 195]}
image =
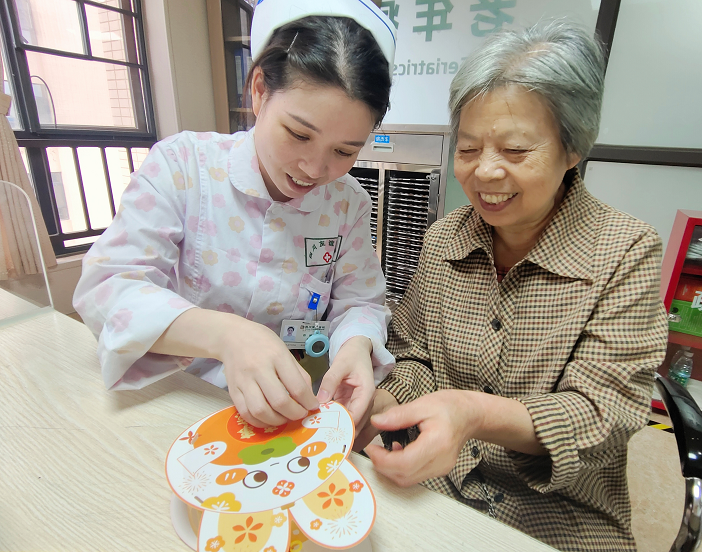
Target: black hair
{"type": "Point", "coordinates": [327, 51]}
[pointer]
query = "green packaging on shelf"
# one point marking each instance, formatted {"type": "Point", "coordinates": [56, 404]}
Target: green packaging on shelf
{"type": "Point", "coordinates": [685, 313]}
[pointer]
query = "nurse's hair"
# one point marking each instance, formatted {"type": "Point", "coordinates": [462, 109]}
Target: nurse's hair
{"type": "Point", "coordinates": [558, 60]}
{"type": "Point", "coordinates": [327, 51]}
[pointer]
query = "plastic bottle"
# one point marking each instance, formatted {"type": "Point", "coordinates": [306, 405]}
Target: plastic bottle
{"type": "Point", "coordinates": [681, 369]}
{"type": "Point", "coordinates": [679, 354]}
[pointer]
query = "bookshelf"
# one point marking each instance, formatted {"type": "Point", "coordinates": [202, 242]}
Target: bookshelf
{"type": "Point", "coordinates": [229, 23]}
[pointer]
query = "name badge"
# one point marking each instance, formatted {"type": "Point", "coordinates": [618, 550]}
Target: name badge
{"type": "Point", "coordinates": [321, 251]}
{"type": "Point", "coordinates": [295, 333]}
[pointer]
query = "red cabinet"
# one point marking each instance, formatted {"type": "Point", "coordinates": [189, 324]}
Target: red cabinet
{"type": "Point", "coordinates": [681, 278]}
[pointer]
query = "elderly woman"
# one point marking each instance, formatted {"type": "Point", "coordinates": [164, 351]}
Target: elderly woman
{"type": "Point", "coordinates": [527, 341]}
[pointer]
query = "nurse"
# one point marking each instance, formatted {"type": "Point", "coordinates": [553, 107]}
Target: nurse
{"type": "Point", "coordinates": [221, 241]}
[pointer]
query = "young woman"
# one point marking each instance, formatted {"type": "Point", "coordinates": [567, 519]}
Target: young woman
{"type": "Point", "coordinates": [219, 239]}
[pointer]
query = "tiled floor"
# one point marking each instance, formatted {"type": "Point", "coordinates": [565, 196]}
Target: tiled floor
{"type": "Point", "coordinates": [657, 488]}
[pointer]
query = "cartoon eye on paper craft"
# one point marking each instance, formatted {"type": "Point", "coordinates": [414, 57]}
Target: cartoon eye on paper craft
{"type": "Point", "coordinates": [299, 464]}
{"type": "Point", "coordinates": [255, 479]}
{"type": "Point", "coordinates": [241, 488]}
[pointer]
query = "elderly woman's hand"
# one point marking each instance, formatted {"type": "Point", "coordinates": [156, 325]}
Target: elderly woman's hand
{"type": "Point", "coordinates": [446, 420]}
{"type": "Point", "coordinates": [365, 431]}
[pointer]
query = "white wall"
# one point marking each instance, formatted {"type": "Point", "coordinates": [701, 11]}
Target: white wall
{"type": "Point", "coordinates": [650, 193]}
{"type": "Point", "coordinates": [652, 98]}
{"type": "Point", "coordinates": [654, 76]}
{"type": "Point", "coordinates": [179, 65]}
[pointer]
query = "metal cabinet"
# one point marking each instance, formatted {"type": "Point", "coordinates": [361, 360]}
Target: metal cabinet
{"type": "Point", "coordinates": [405, 171]}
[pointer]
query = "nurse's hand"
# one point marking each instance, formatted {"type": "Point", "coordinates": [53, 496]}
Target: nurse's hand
{"type": "Point", "coordinates": [349, 380]}
{"type": "Point", "coordinates": [446, 420]}
{"type": "Point", "coordinates": [266, 384]}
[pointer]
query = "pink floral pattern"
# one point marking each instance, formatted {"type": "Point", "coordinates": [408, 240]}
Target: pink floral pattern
{"type": "Point", "coordinates": [198, 228]}
{"type": "Point", "coordinates": [219, 201]}
{"type": "Point", "coordinates": [231, 279]}
{"type": "Point", "coordinates": [145, 202]}
{"type": "Point", "coordinates": [267, 255]}
{"type": "Point", "coordinates": [121, 319]}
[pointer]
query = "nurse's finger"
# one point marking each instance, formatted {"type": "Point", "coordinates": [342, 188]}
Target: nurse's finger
{"type": "Point", "coordinates": [299, 387]}
{"type": "Point", "coordinates": [242, 409]}
{"type": "Point", "coordinates": [259, 408]}
{"type": "Point", "coordinates": [278, 397]}
{"type": "Point", "coordinates": [305, 374]}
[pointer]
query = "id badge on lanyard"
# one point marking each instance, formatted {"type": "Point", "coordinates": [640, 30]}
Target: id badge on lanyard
{"type": "Point", "coordinates": [310, 335]}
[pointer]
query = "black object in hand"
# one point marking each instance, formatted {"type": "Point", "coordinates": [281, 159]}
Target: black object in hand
{"type": "Point", "coordinates": [402, 436]}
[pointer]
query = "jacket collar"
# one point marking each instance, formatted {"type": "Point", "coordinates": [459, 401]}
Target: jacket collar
{"type": "Point", "coordinates": [565, 246]}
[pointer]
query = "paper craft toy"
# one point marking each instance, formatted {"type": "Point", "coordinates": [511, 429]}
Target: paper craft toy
{"type": "Point", "coordinates": [271, 489]}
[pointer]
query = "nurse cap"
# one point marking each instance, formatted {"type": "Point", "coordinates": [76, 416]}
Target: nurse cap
{"type": "Point", "coordinates": [269, 15]}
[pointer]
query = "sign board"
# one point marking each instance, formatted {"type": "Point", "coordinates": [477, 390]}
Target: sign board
{"type": "Point", "coordinates": [435, 36]}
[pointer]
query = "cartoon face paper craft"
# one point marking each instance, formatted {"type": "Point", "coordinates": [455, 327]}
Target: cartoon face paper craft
{"type": "Point", "coordinates": [253, 484]}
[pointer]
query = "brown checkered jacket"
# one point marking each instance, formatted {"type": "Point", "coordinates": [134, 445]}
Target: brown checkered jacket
{"type": "Point", "coordinates": [581, 331]}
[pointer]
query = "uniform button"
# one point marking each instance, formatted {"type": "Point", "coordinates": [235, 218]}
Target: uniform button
{"type": "Point", "coordinates": [475, 452]}
{"type": "Point", "coordinates": [488, 389]}
{"type": "Point", "coordinates": [496, 325]}
{"type": "Point", "coordinates": [499, 497]}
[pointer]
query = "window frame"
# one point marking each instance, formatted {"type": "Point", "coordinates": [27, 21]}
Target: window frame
{"type": "Point", "coordinates": [20, 75]}
{"type": "Point", "coordinates": [36, 139]}
{"type": "Point", "coordinates": [642, 155]}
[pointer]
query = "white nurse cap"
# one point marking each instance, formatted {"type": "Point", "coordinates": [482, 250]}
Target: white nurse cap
{"type": "Point", "coordinates": [272, 14]}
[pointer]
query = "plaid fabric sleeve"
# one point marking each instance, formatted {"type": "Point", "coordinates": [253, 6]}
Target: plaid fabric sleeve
{"type": "Point", "coordinates": [604, 394]}
{"type": "Point", "coordinates": [413, 376]}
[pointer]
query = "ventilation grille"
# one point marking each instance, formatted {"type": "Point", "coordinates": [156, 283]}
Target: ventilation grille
{"type": "Point", "coordinates": [406, 210]}
{"type": "Point", "coordinates": [368, 178]}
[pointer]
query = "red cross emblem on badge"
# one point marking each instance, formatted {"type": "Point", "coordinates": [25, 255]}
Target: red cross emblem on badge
{"type": "Point", "coordinates": [327, 257]}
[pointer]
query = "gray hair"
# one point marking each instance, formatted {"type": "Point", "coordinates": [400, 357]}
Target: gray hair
{"type": "Point", "coordinates": [558, 60]}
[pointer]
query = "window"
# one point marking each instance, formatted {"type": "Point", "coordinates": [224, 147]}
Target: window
{"type": "Point", "coordinates": [82, 111]}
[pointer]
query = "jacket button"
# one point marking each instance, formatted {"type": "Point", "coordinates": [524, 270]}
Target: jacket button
{"type": "Point", "coordinates": [475, 452]}
{"type": "Point", "coordinates": [496, 325]}
{"type": "Point", "coordinates": [488, 389]}
{"type": "Point", "coordinates": [499, 497]}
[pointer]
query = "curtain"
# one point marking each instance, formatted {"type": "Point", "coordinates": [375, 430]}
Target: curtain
{"type": "Point", "coordinates": [19, 254]}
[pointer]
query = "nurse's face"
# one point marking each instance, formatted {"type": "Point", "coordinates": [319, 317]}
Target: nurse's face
{"type": "Point", "coordinates": [306, 136]}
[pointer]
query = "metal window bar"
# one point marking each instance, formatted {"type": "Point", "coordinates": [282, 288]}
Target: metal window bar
{"type": "Point", "coordinates": [108, 182]}
{"type": "Point", "coordinates": [107, 7]}
{"type": "Point", "coordinates": [76, 55]}
{"type": "Point", "coordinates": [85, 35]}
{"type": "Point", "coordinates": [81, 189]}
{"type": "Point", "coordinates": [130, 160]}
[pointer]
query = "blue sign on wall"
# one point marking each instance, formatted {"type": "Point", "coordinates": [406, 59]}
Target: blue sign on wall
{"type": "Point", "coordinates": [382, 139]}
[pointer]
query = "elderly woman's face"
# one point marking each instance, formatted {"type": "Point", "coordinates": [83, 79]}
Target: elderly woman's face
{"type": "Point", "coordinates": [509, 158]}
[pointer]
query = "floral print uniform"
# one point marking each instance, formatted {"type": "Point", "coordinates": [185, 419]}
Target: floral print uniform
{"type": "Point", "coordinates": [197, 227]}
